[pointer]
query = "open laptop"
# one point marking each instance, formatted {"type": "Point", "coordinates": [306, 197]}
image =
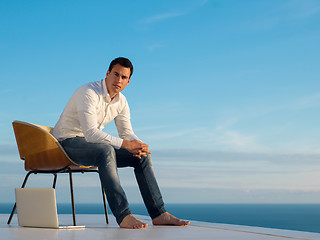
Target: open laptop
{"type": "Point", "coordinates": [36, 207]}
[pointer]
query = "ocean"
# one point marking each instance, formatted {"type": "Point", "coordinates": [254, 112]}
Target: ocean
{"type": "Point", "coordinates": [300, 217]}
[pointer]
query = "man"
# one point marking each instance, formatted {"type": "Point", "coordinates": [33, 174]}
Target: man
{"type": "Point", "coordinates": [79, 130]}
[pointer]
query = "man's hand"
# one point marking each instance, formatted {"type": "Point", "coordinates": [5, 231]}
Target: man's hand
{"type": "Point", "coordinates": [136, 147]}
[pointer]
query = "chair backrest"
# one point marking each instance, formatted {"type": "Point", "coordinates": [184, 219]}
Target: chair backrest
{"type": "Point", "coordinates": [39, 148]}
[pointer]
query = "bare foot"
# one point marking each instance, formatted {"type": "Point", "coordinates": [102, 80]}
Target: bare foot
{"type": "Point", "coordinates": [131, 222]}
{"type": "Point", "coordinates": [168, 219]}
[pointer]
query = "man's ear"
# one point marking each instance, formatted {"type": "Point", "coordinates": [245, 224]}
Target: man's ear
{"type": "Point", "coordinates": [108, 72]}
{"type": "Point", "coordinates": [128, 81]}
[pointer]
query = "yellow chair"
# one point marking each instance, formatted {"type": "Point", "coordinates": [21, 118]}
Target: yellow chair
{"type": "Point", "coordinates": [42, 153]}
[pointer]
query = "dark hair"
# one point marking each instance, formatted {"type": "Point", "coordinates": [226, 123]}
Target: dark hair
{"type": "Point", "coordinates": [124, 62]}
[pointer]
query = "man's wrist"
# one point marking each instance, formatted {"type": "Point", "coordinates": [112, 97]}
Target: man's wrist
{"type": "Point", "coordinates": [124, 144]}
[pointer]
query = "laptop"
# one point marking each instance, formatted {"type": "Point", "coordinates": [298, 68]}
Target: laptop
{"type": "Point", "coordinates": [36, 207]}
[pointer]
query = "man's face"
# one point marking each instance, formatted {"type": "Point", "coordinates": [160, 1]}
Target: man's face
{"type": "Point", "coordinates": [117, 79]}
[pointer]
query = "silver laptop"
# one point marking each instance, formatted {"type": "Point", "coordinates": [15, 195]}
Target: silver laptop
{"type": "Point", "coordinates": [36, 207]}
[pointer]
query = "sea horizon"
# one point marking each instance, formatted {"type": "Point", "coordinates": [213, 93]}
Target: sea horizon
{"type": "Point", "coordinates": [290, 216]}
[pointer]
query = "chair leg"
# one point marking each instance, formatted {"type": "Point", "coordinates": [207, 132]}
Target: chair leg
{"type": "Point", "coordinates": [104, 200]}
{"type": "Point", "coordinates": [72, 198]}
{"type": "Point", "coordinates": [54, 180]}
{"type": "Point", "coordinates": [105, 205]}
{"type": "Point", "coordinates": [15, 204]}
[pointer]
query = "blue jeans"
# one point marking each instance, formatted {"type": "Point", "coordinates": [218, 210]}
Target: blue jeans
{"type": "Point", "coordinates": [108, 159]}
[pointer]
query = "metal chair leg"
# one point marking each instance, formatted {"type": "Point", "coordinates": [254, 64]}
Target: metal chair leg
{"type": "Point", "coordinates": [15, 204]}
{"type": "Point", "coordinates": [105, 205]}
{"type": "Point", "coordinates": [104, 199]}
{"type": "Point", "coordinates": [72, 198]}
{"type": "Point", "coordinates": [54, 180]}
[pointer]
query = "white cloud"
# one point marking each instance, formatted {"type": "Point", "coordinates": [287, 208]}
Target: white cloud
{"type": "Point", "coordinates": [224, 137]}
{"type": "Point", "coordinates": [227, 124]}
{"type": "Point", "coordinates": [173, 134]}
{"type": "Point", "coordinates": [170, 14]}
{"type": "Point", "coordinates": [162, 17]}
{"type": "Point", "coordinates": [232, 170]}
{"type": "Point", "coordinates": [295, 104]}
{"type": "Point", "coordinates": [267, 128]}
{"type": "Point", "coordinates": [150, 128]}
{"type": "Point", "coordinates": [239, 141]}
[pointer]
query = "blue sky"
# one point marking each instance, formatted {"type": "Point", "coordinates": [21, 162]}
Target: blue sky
{"type": "Point", "coordinates": [225, 92]}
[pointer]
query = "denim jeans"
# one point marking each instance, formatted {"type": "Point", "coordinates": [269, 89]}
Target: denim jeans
{"type": "Point", "coordinates": [108, 159]}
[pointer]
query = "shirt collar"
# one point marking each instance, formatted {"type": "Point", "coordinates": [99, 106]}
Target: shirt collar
{"type": "Point", "coordinates": [106, 94]}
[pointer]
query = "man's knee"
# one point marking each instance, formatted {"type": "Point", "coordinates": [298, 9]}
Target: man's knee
{"type": "Point", "coordinates": [106, 152]}
{"type": "Point", "coordinates": [146, 160]}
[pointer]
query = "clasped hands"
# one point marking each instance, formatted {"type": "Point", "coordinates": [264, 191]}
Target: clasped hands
{"type": "Point", "coordinates": [136, 147]}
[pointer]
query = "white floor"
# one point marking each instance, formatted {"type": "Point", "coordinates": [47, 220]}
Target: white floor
{"type": "Point", "coordinates": [97, 229]}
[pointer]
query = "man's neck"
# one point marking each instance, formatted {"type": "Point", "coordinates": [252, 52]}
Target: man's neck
{"type": "Point", "coordinates": [111, 95]}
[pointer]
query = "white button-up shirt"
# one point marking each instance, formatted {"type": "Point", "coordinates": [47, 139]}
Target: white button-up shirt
{"type": "Point", "coordinates": [89, 110]}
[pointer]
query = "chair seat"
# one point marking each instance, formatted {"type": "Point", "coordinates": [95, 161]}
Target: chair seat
{"type": "Point", "coordinates": [79, 168]}
{"type": "Point", "coordinates": [71, 167]}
